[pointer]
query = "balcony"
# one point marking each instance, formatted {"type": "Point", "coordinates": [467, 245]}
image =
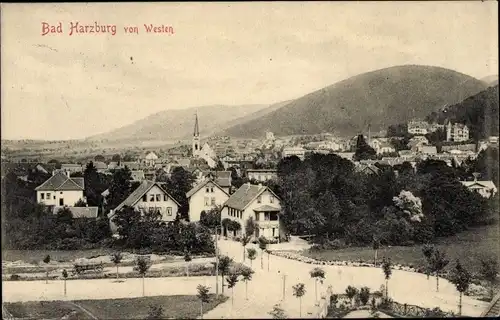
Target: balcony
{"type": "Point", "coordinates": [268, 224]}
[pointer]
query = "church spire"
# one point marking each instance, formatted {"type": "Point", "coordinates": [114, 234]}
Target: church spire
{"type": "Point", "coordinates": [196, 129]}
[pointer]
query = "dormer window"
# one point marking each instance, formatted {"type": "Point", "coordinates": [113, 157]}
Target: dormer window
{"type": "Point", "coordinates": [145, 198]}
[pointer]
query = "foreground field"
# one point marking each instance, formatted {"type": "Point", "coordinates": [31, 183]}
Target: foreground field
{"type": "Point", "coordinates": [178, 307]}
{"type": "Point", "coordinates": [467, 246]}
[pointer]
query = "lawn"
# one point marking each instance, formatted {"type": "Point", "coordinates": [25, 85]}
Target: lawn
{"type": "Point", "coordinates": [178, 307]}
{"type": "Point", "coordinates": [467, 246]}
{"type": "Point", "coordinates": [36, 256]}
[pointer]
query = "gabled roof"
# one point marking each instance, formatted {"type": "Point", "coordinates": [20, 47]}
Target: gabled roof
{"type": "Point", "coordinates": [201, 185]}
{"type": "Point", "coordinates": [223, 178]}
{"type": "Point", "coordinates": [480, 184]}
{"type": "Point", "coordinates": [245, 195]}
{"type": "Point", "coordinates": [137, 194]}
{"type": "Point", "coordinates": [80, 212]}
{"type": "Point", "coordinates": [62, 182]}
{"type": "Point", "coordinates": [99, 165]}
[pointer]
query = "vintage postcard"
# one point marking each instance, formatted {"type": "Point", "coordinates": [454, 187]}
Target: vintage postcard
{"type": "Point", "coordinates": [249, 160]}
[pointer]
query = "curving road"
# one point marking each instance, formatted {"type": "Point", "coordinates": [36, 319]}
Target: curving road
{"type": "Point", "coordinates": [264, 291]}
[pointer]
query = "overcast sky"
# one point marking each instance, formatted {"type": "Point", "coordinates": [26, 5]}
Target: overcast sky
{"type": "Point", "coordinates": [63, 87]}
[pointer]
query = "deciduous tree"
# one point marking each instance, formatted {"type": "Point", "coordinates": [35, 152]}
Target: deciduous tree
{"type": "Point", "coordinates": [203, 296]}
{"type": "Point", "coordinates": [462, 279]}
{"type": "Point", "coordinates": [299, 290]}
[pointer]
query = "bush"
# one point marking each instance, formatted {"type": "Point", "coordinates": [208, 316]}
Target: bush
{"type": "Point", "coordinates": [364, 295]}
{"type": "Point", "coordinates": [15, 277]}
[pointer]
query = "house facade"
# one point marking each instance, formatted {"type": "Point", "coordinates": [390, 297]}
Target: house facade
{"type": "Point", "coordinates": [294, 151]}
{"type": "Point", "coordinates": [457, 132]}
{"type": "Point", "coordinates": [60, 190]}
{"type": "Point", "coordinates": [262, 175]}
{"type": "Point", "coordinates": [72, 167]}
{"type": "Point", "coordinates": [150, 196]}
{"type": "Point", "coordinates": [257, 202]}
{"type": "Point", "coordinates": [486, 189]}
{"type": "Point", "coordinates": [204, 197]}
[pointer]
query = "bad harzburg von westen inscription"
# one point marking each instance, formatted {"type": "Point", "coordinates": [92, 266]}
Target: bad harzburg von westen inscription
{"type": "Point", "coordinates": [76, 28]}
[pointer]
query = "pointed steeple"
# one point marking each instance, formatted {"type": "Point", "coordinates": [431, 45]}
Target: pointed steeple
{"type": "Point", "coordinates": [196, 129]}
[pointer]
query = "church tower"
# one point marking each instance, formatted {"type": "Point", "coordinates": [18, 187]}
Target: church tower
{"type": "Point", "coordinates": [196, 138]}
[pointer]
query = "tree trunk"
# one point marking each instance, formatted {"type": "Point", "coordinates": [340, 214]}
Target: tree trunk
{"type": "Point", "coordinates": [47, 277]}
{"type": "Point", "coordinates": [315, 290]}
{"type": "Point", "coordinates": [232, 296]}
{"type": "Point", "coordinates": [437, 282]}
{"type": "Point", "coordinates": [222, 283]}
{"type": "Point", "coordinates": [116, 272]}
{"type": "Point", "coordinates": [244, 255]}
{"type": "Point", "coordinates": [268, 256]}
{"type": "Point", "coordinates": [262, 260]}
{"type": "Point", "coordinates": [460, 304]}
{"type": "Point", "coordinates": [386, 288]}
{"type": "Point", "coordinates": [246, 290]}
{"type": "Point", "coordinates": [300, 307]}
{"type": "Point", "coordinates": [375, 258]}
{"type": "Point", "coordinates": [143, 285]}
{"type": "Point", "coordinates": [187, 269]}
{"type": "Point", "coordinates": [201, 310]}
{"type": "Point", "coordinates": [64, 287]}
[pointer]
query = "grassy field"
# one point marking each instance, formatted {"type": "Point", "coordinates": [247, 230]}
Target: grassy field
{"type": "Point", "coordinates": [467, 246]}
{"type": "Point", "coordinates": [36, 256]}
{"type": "Point", "coordinates": [178, 307]}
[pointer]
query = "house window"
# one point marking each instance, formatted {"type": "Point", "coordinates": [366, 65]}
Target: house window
{"type": "Point", "coordinates": [61, 192]}
{"type": "Point", "coordinates": [271, 199]}
{"type": "Point", "coordinates": [213, 201]}
{"type": "Point", "coordinates": [48, 196]}
{"type": "Point", "coordinates": [61, 202]}
{"type": "Point", "coordinates": [158, 197]}
{"type": "Point", "coordinates": [169, 211]}
{"type": "Point", "coordinates": [145, 198]}
{"type": "Point", "coordinates": [152, 198]}
{"type": "Point", "coordinates": [212, 189]}
{"type": "Point", "coordinates": [259, 199]}
{"type": "Point", "coordinates": [207, 190]}
{"type": "Point", "coordinates": [257, 216]}
{"type": "Point", "coordinates": [207, 201]}
{"type": "Point", "coordinates": [165, 197]}
{"type": "Point", "coordinates": [42, 196]}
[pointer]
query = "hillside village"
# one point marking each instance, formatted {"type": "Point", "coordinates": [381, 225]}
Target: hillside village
{"type": "Point", "coordinates": [255, 170]}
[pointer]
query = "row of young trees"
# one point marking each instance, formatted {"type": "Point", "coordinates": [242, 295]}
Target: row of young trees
{"type": "Point", "coordinates": [325, 196]}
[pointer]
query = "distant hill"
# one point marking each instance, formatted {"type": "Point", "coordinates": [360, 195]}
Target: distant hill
{"type": "Point", "coordinates": [179, 124]}
{"type": "Point", "coordinates": [490, 80]}
{"type": "Point", "coordinates": [479, 112]}
{"type": "Point", "coordinates": [380, 98]}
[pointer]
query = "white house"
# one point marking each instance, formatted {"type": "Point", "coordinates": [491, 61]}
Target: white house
{"type": "Point", "coordinates": [262, 175]}
{"type": "Point", "coordinates": [487, 189]}
{"type": "Point", "coordinates": [150, 159]}
{"type": "Point", "coordinates": [205, 196]}
{"type": "Point", "coordinates": [294, 151]}
{"type": "Point", "coordinates": [60, 190]}
{"type": "Point", "coordinates": [258, 202]}
{"type": "Point", "coordinates": [149, 196]}
{"type": "Point", "coordinates": [457, 132]}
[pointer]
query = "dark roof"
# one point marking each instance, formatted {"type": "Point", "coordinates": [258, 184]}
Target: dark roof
{"type": "Point", "coordinates": [223, 178]}
{"type": "Point", "coordinates": [61, 181]}
{"type": "Point", "coordinates": [201, 185]}
{"type": "Point", "coordinates": [80, 212]}
{"type": "Point", "coordinates": [137, 194]}
{"type": "Point", "coordinates": [245, 195]}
